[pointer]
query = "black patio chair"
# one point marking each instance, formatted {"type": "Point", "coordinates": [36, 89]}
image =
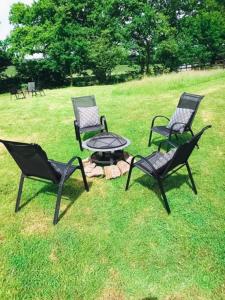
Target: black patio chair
{"type": "Point", "coordinates": [86, 102]}
{"type": "Point", "coordinates": [31, 88]}
{"type": "Point", "coordinates": [182, 119]}
{"type": "Point", "coordinates": [161, 165]}
{"type": "Point", "coordinates": [39, 89]}
{"type": "Point", "coordinates": [35, 89]}
{"type": "Point", "coordinates": [34, 164]}
{"type": "Point", "coordinates": [18, 93]}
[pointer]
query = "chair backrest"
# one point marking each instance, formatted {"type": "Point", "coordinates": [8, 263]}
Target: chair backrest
{"type": "Point", "coordinates": [32, 160]}
{"type": "Point", "coordinates": [184, 151]}
{"type": "Point", "coordinates": [190, 101]}
{"type": "Point", "coordinates": [84, 101]}
{"type": "Point", "coordinates": [31, 86]}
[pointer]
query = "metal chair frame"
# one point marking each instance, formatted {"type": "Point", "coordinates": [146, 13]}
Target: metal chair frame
{"type": "Point", "coordinates": [86, 101]}
{"type": "Point", "coordinates": [58, 181]}
{"type": "Point", "coordinates": [174, 165]}
{"type": "Point", "coordinates": [183, 103]}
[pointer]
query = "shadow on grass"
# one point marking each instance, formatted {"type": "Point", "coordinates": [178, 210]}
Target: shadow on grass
{"type": "Point", "coordinates": [150, 298]}
{"type": "Point", "coordinates": [72, 190]}
{"type": "Point", "coordinates": [182, 138]}
{"type": "Point", "coordinates": [174, 181]}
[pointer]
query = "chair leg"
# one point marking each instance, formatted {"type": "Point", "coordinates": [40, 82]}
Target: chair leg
{"type": "Point", "coordinates": [164, 196]}
{"type": "Point", "coordinates": [150, 138]}
{"type": "Point", "coordinates": [128, 177]}
{"type": "Point", "coordinates": [19, 193]}
{"type": "Point", "coordinates": [57, 205]}
{"type": "Point", "coordinates": [78, 137]}
{"type": "Point", "coordinates": [84, 178]}
{"type": "Point", "coordinates": [191, 178]}
{"type": "Point", "coordinates": [80, 142]}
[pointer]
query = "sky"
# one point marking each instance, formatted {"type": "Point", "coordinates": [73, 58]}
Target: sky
{"type": "Point", "coordinates": [5, 27]}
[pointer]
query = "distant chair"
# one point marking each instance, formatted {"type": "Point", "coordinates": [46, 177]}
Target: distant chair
{"type": "Point", "coordinates": [34, 164]}
{"type": "Point", "coordinates": [31, 88]}
{"type": "Point", "coordinates": [87, 117]}
{"type": "Point", "coordinates": [18, 93]}
{"type": "Point", "coordinates": [181, 120]}
{"type": "Point", "coordinates": [161, 165]}
{"type": "Point", "coordinates": [34, 90]}
{"type": "Point", "coordinates": [39, 89]}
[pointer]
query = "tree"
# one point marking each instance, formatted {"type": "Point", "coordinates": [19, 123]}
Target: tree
{"type": "Point", "coordinates": [4, 58]}
{"type": "Point", "coordinates": [143, 29]}
{"type": "Point", "coordinates": [104, 55]}
{"type": "Point", "coordinates": [56, 29]}
{"type": "Point", "coordinates": [201, 37]}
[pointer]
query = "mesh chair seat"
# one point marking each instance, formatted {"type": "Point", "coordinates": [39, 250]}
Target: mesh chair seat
{"type": "Point", "coordinates": [60, 168]}
{"type": "Point", "coordinates": [163, 130]}
{"type": "Point", "coordinates": [159, 161]}
{"type": "Point", "coordinates": [92, 128]}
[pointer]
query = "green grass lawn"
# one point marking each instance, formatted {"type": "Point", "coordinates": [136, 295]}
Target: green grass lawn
{"type": "Point", "coordinates": [112, 244]}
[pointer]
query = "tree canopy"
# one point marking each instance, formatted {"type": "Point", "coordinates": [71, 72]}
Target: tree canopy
{"type": "Point", "coordinates": [73, 35]}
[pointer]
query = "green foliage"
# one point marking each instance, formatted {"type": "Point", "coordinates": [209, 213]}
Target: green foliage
{"type": "Point", "coordinates": [105, 56]}
{"type": "Point", "coordinates": [56, 31]}
{"type": "Point", "coordinates": [74, 36]}
{"type": "Point", "coordinates": [4, 59]}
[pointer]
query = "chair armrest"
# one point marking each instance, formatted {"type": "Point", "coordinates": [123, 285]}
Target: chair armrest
{"type": "Point", "coordinates": [174, 124]}
{"type": "Point", "coordinates": [156, 117]}
{"type": "Point", "coordinates": [103, 122]}
{"type": "Point", "coordinates": [69, 164]}
{"type": "Point", "coordinates": [76, 125]}
{"type": "Point", "coordinates": [143, 158]}
{"type": "Point", "coordinates": [102, 119]}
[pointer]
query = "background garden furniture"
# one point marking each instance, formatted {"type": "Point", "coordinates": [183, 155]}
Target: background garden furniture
{"type": "Point", "coordinates": [161, 165]}
{"type": "Point", "coordinates": [87, 118]}
{"type": "Point", "coordinates": [181, 120]}
{"type": "Point", "coordinates": [31, 88]}
{"type": "Point", "coordinates": [40, 90]}
{"type": "Point", "coordinates": [18, 93]}
{"type": "Point", "coordinates": [35, 89]}
{"type": "Point", "coordinates": [34, 164]}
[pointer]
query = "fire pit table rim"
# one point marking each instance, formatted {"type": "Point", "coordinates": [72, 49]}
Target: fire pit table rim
{"type": "Point", "coordinates": [106, 148]}
{"type": "Point", "coordinates": [111, 149]}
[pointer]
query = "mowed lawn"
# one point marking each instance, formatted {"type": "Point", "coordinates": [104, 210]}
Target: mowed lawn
{"type": "Point", "coordinates": [112, 244]}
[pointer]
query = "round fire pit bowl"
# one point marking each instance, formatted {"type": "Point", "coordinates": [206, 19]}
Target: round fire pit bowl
{"type": "Point", "coordinates": [107, 147]}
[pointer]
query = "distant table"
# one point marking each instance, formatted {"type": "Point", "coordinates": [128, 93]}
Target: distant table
{"type": "Point", "coordinates": [107, 147]}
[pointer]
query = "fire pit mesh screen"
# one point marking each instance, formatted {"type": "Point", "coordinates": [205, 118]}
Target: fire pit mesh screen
{"type": "Point", "coordinates": [106, 140]}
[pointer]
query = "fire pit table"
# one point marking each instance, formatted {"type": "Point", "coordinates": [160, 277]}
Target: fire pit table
{"type": "Point", "coordinates": [107, 147]}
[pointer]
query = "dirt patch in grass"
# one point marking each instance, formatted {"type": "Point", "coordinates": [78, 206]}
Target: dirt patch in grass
{"type": "Point", "coordinates": [53, 257]}
{"type": "Point", "coordinates": [112, 290]}
{"type": "Point", "coordinates": [36, 228]}
{"type": "Point", "coordinates": [1, 239]}
{"type": "Point", "coordinates": [111, 294]}
{"type": "Point", "coordinates": [140, 218]}
{"type": "Point", "coordinates": [36, 225]}
{"type": "Point", "coordinates": [207, 116]}
{"type": "Point", "coordinates": [187, 294]}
